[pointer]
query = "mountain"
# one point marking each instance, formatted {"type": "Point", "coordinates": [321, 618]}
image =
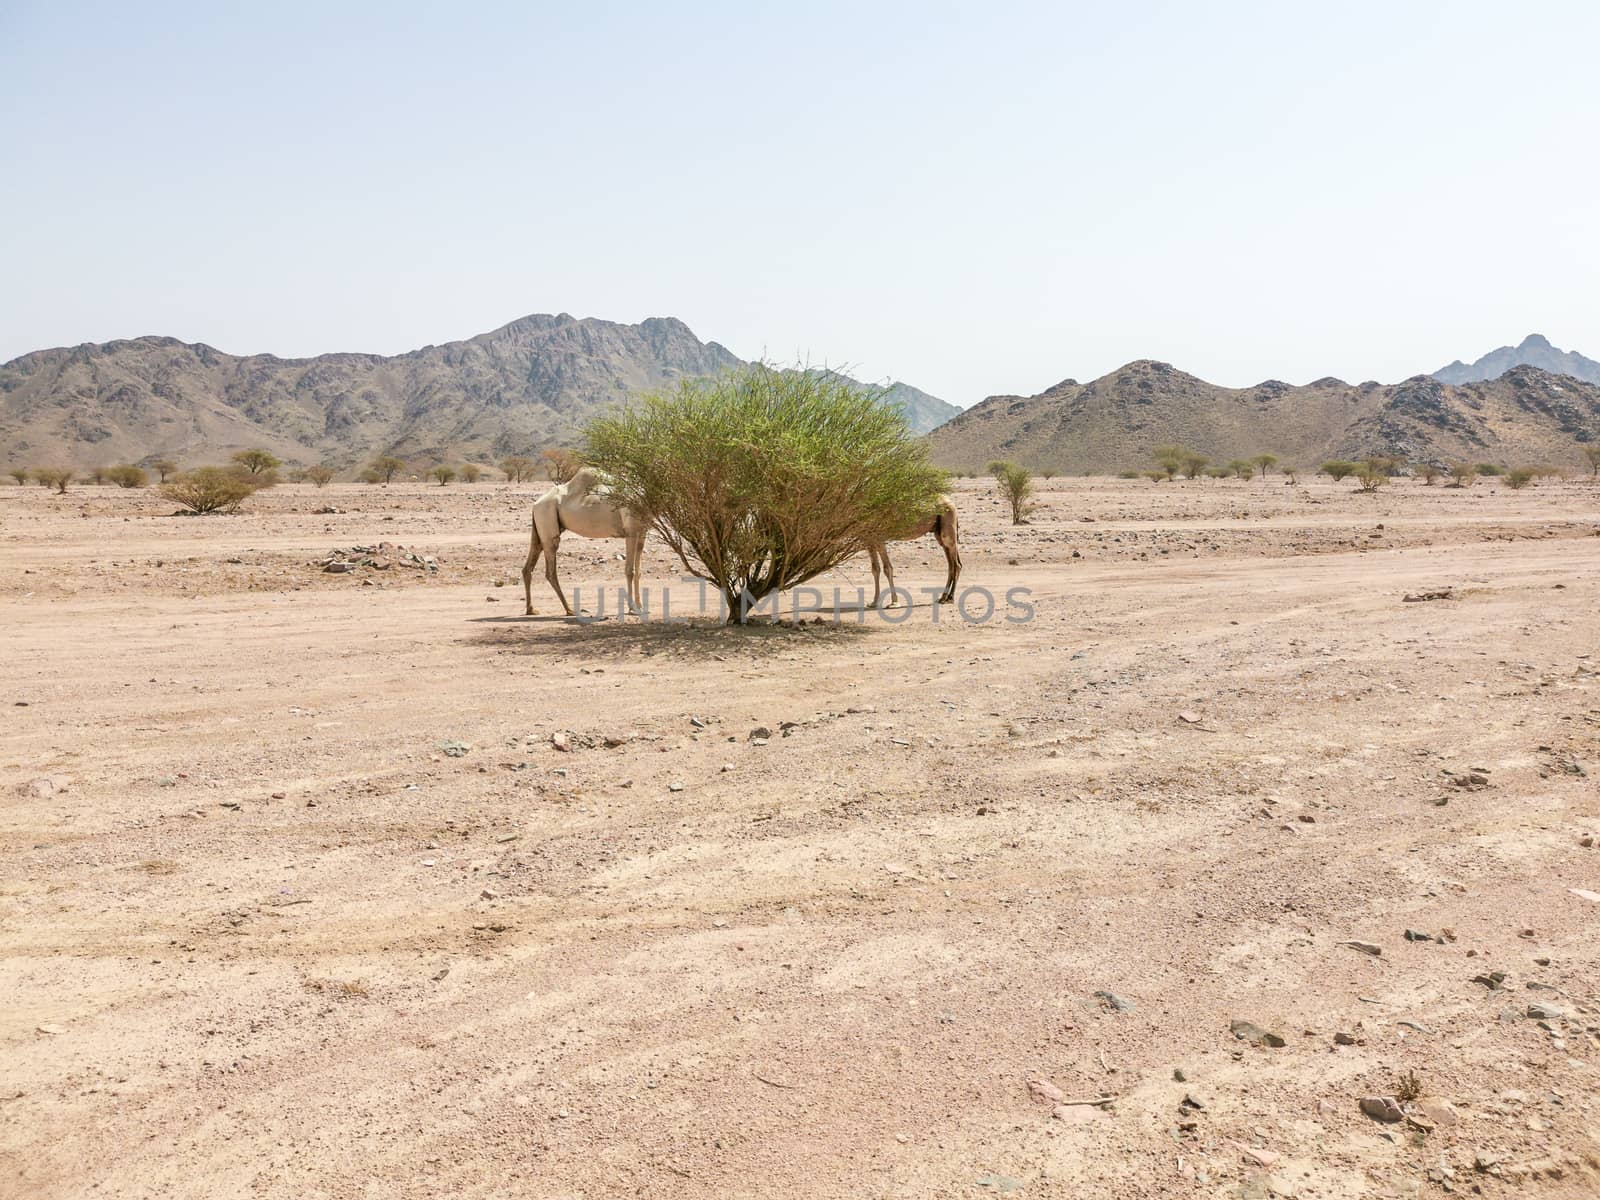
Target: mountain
{"type": "Point", "coordinates": [1526, 416]}
{"type": "Point", "coordinates": [527, 385]}
{"type": "Point", "coordinates": [1533, 351]}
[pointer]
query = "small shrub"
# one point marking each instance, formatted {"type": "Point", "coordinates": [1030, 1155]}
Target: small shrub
{"type": "Point", "coordinates": [1518, 478]}
{"type": "Point", "coordinates": [1127, 474]}
{"type": "Point", "coordinates": [257, 462]}
{"type": "Point", "coordinates": [1462, 474]}
{"type": "Point", "coordinates": [444, 473]}
{"type": "Point", "coordinates": [1426, 472]}
{"type": "Point", "coordinates": [471, 473]}
{"type": "Point", "coordinates": [20, 474]}
{"type": "Point", "coordinates": [126, 475]}
{"type": "Point", "coordinates": [321, 475]}
{"type": "Point", "coordinates": [210, 489]}
{"type": "Point", "coordinates": [1243, 468]}
{"type": "Point", "coordinates": [97, 475]}
{"type": "Point", "coordinates": [1338, 468]}
{"type": "Point", "coordinates": [517, 468]}
{"type": "Point", "coordinates": [1369, 479]}
{"type": "Point", "coordinates": [53, 477]}
{"type": "Point", "coordinates": [1591, 455]}
{"type": "Point", "coordinates": [164, 468]}
{"type": "Point", "coordinates": [1489, 470]}
{"type": "Point", "coordinates": [1382, 463]}
{"type": "Point", "coordinates": [1291, 473]}
{"type": "Point", "coordinates": [1159, 475]}
{"type": "Point", "coordinates": [1016, 486]}
{"type": "Point", "coordinates": [1217, 472]}
{"type": "Point", "coordinates": [1193, 464]}
{"type": "Point", "coordinates": [1408, 1087]}
{"type": "Point", "coordinates": [370, 475]}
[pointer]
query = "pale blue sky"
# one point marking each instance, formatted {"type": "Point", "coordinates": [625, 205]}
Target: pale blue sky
{"type": "Point", "coordinates": [974, 198]}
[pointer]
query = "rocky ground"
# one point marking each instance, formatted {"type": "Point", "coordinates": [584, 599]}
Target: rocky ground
{"type": "Point", "coordinates": [361, 884]}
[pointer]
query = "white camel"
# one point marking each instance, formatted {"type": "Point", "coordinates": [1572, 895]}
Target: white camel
{"type": "Point", "coordinates": [584, 505]}
{"type": "Point", "coordinates": [942, 523]}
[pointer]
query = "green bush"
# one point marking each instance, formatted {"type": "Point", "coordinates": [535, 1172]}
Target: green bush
{"type": "Point", "coordinates": [761, 479]}
{"type": "Point", "coordinates": [1518, 478]}
{"type": "Point", "coordinates": [1338, 468]}
{"type": "Point", "coordinates": [210, 489]}
{"type": "Point", "coordinates": [1016, 486]}
{"type": "Point", "coordinates": [257, 462]}
{"type": "Point", "coordinates": [126, 475]}
{"type": "Point", "coordinates": [53, 477]}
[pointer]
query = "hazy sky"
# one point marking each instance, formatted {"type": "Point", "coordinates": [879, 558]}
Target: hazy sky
{"type": "Point", "coordinates": [975, 198]}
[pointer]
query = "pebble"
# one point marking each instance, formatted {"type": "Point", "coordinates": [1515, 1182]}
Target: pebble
{"type": "Point", "coordinates": [1546, 1012]}
{"type": "Point", "coordinates": [1364, 947]}
{"type": "Point", "coordinates": [1115, 1002]}
{"type": "Point", "coordinates": [1248, 1031]}
{"type": "Point", "coordinates": [674, 787]}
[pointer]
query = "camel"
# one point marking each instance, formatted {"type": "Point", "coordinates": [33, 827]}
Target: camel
{"type": "Point", "coordinates": [941, 522]}
{"type": "Point", "coordinates": [583, 505]}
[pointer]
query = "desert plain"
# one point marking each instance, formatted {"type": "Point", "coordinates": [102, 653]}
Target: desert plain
{"type": "Point", "coordinates": [364, 885]}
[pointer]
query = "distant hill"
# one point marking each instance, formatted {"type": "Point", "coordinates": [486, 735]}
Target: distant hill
{"type": "Point", "coordinates": [1526, 416]}
{"type": "Point", "coordinates": [525, 386]}
{"type": "Point", "coordinates": [1533, 351]}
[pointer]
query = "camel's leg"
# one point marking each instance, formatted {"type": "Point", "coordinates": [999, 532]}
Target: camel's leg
{"type": "Point", "coordinates": [534, 547]}
{"type": "Point", "coordinates": [877, 583]}
{"type": "Point", "coordinates": [949, 539]}
{"type": "Point", "coordinates": [550, 534]}
{"type": "Point", "coordinates": [888, 572]}
{"type": "Point", "coordinates": [634, 549]}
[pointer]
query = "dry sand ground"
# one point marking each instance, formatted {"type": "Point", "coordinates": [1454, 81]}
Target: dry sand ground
{"type": "Point", "coordinates": [261, 936]}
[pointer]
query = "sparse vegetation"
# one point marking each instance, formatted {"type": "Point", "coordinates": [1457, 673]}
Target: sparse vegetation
{"type": "Point", "coordinates": [517, 468]}
{"type": "Point", "coordinates": [1426, 472]}
{"type": "Point", "coordinates": [1518, 478]}
{"type": "Point", "coordinates": [321, 474]}
{"type": "Point", "coordinates": [1193, 464]}
{"type": "Point", "coordinates": [385, 467]}
{"type": "Point", "coordinates": [444, 473]}
{"type": "Point", "coordinates": [1337, 469]}
{"type": "Point", "coordinates": [1016, 487]}
{"type": "Point", "coordinates": [561, 465]}
{"type": "Point", "coordinates": [20, 474]}
{"type": "Point", "coordinates": [257, 462]}
{"type": "Point", "coordinates": [763, 479]}
{"type": "Point", "coordinates": [59, 478]}
{"type": "Point", "coordinates": [1243, 468]}
{"type": "Point", "coordinates": [210, 490]}
{"type": "Point", "coordinates": [471, 473]}
{"type": "Point", "coordinates": [126, 475]}
{"type": "Point", "coordinates": [1408, 1087]}
{"type": "Point", "coordinates": [164, 468]}
{"type": "Point", "coordinates": [1462, 474]}
{"type": "Point", "coordinates": [1489, 470]}
{"type": "Point", "coordinates": [1591, 455]}
{"type": "Point", "coordinates": [1264, 463]}
{"type": "Point", "coordinates": [1158, 475]}
{"type": "Point", "coordinates": [369, 475]}
{"type": "Point", "coordinates": [1370, 478]}
{"type": "Point", "coordinates": [96, 475]}
{"type": "Point", "coordinates": [1217, 472]}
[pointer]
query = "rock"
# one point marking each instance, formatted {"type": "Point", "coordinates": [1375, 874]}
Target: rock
{"type": "Point", "coordinates": [1190, 1100]}
{"type": "Point", "coordinates": [674, 787]}
{"type": "Point", "coordinates": [454, 749]}
{"type": "Point", "coordinates": [52, 1030]}
{"type": "Point", "coordinates": [1042, 1089]}
{"type": "Point", "coordinates": [559, 740]}
{"type": "Point", "coordinates": [1583, 894]}
{"type": "Point", "coordinates": [337, 568]}
{"type": "Point", "coordinates": [1000, 1183]}
{"type": "Point", "coordinates": [1247, 1031]}
{"type": "Point", "coordinates": [1382, 1108]}
{"type": "Point", "coordinates": [1115, 1002]}
{"type": "Point", "coordinates": [1265, 1158]}
{"type": "Point", "coordinates": [1345, 1039]}
{"type": "Point", "coordinates": [759, 733]}
{"type": "Point", "coordinates": [726, 767]}
{"type": "Point", "coordinates": [1495, 981]}
{"type": "Point", "coordinates": [1178, 1076]}
{"type": "Point", "coordinates": [39, 789]}
{"type": "Point", "coordinates": [1421, 597]}
{"type": "Point", "coordinates": [1546, 1012]}
{"type": "Point", "coordinates": [1364, 947]}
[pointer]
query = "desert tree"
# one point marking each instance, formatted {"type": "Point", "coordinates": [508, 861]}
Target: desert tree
{"type": "Point", "coordinates": [1591, 455]}
{"type": "Point", "coordinates": [1382, 462]}
{"type": "Point", "coordinates": [1193, 464]}
{"type": "Point", "coordinates": [369, 475]}
{"type": "Point", "coordinates": [257, 461]}
{"type": "Point", "coordinates": [1518, 478]}
{"type": "Point", "coordinates": [97, 475]}
{"type": "Point", "coordinates": [1016, 488]}
{"type": "Point", "coordinates": [210, 489]}
{"type": "Point", "coordinates": [385, 467]}
{"type": "Point", "coordinates": [1427, 472]}
{"type": "Point", "coordinates": [126, 475]}
{"type": "Point", "coordinates": [1462, 474]}
{"type": "Point", "coordinates": [517, 468]}
{"type": "Point", "coordinates": [320, 474]}
{"type": "Point", "coordinates": [1336, 469]}
{"type": "Point", "coordinates": [444, 473]}
{"type": "Point", "coordinates": [471, 472]}
{"type": "Point", "coordinates": [20, 474]}
{"type": "Point", "coordinates": [1290, 472]}
{"type": "Point", "coordinates": [1168, 459]}
{"type": "Point", "coordinates": [59, 478]}
{"type": "Point", "coordinates": [561, 465]}
{"type": "Point", "coordinates": [760, 480]}
{"type": "Point", "coordinates": [1243, 468]}
{"type": "Point", "coordinates": [163, 467]}
{"type": "Point", "coordinates": [1264, 463]}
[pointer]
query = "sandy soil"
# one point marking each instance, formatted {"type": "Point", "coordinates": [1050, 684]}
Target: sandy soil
{"type": "Point", "coordinates": [261, 935]}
